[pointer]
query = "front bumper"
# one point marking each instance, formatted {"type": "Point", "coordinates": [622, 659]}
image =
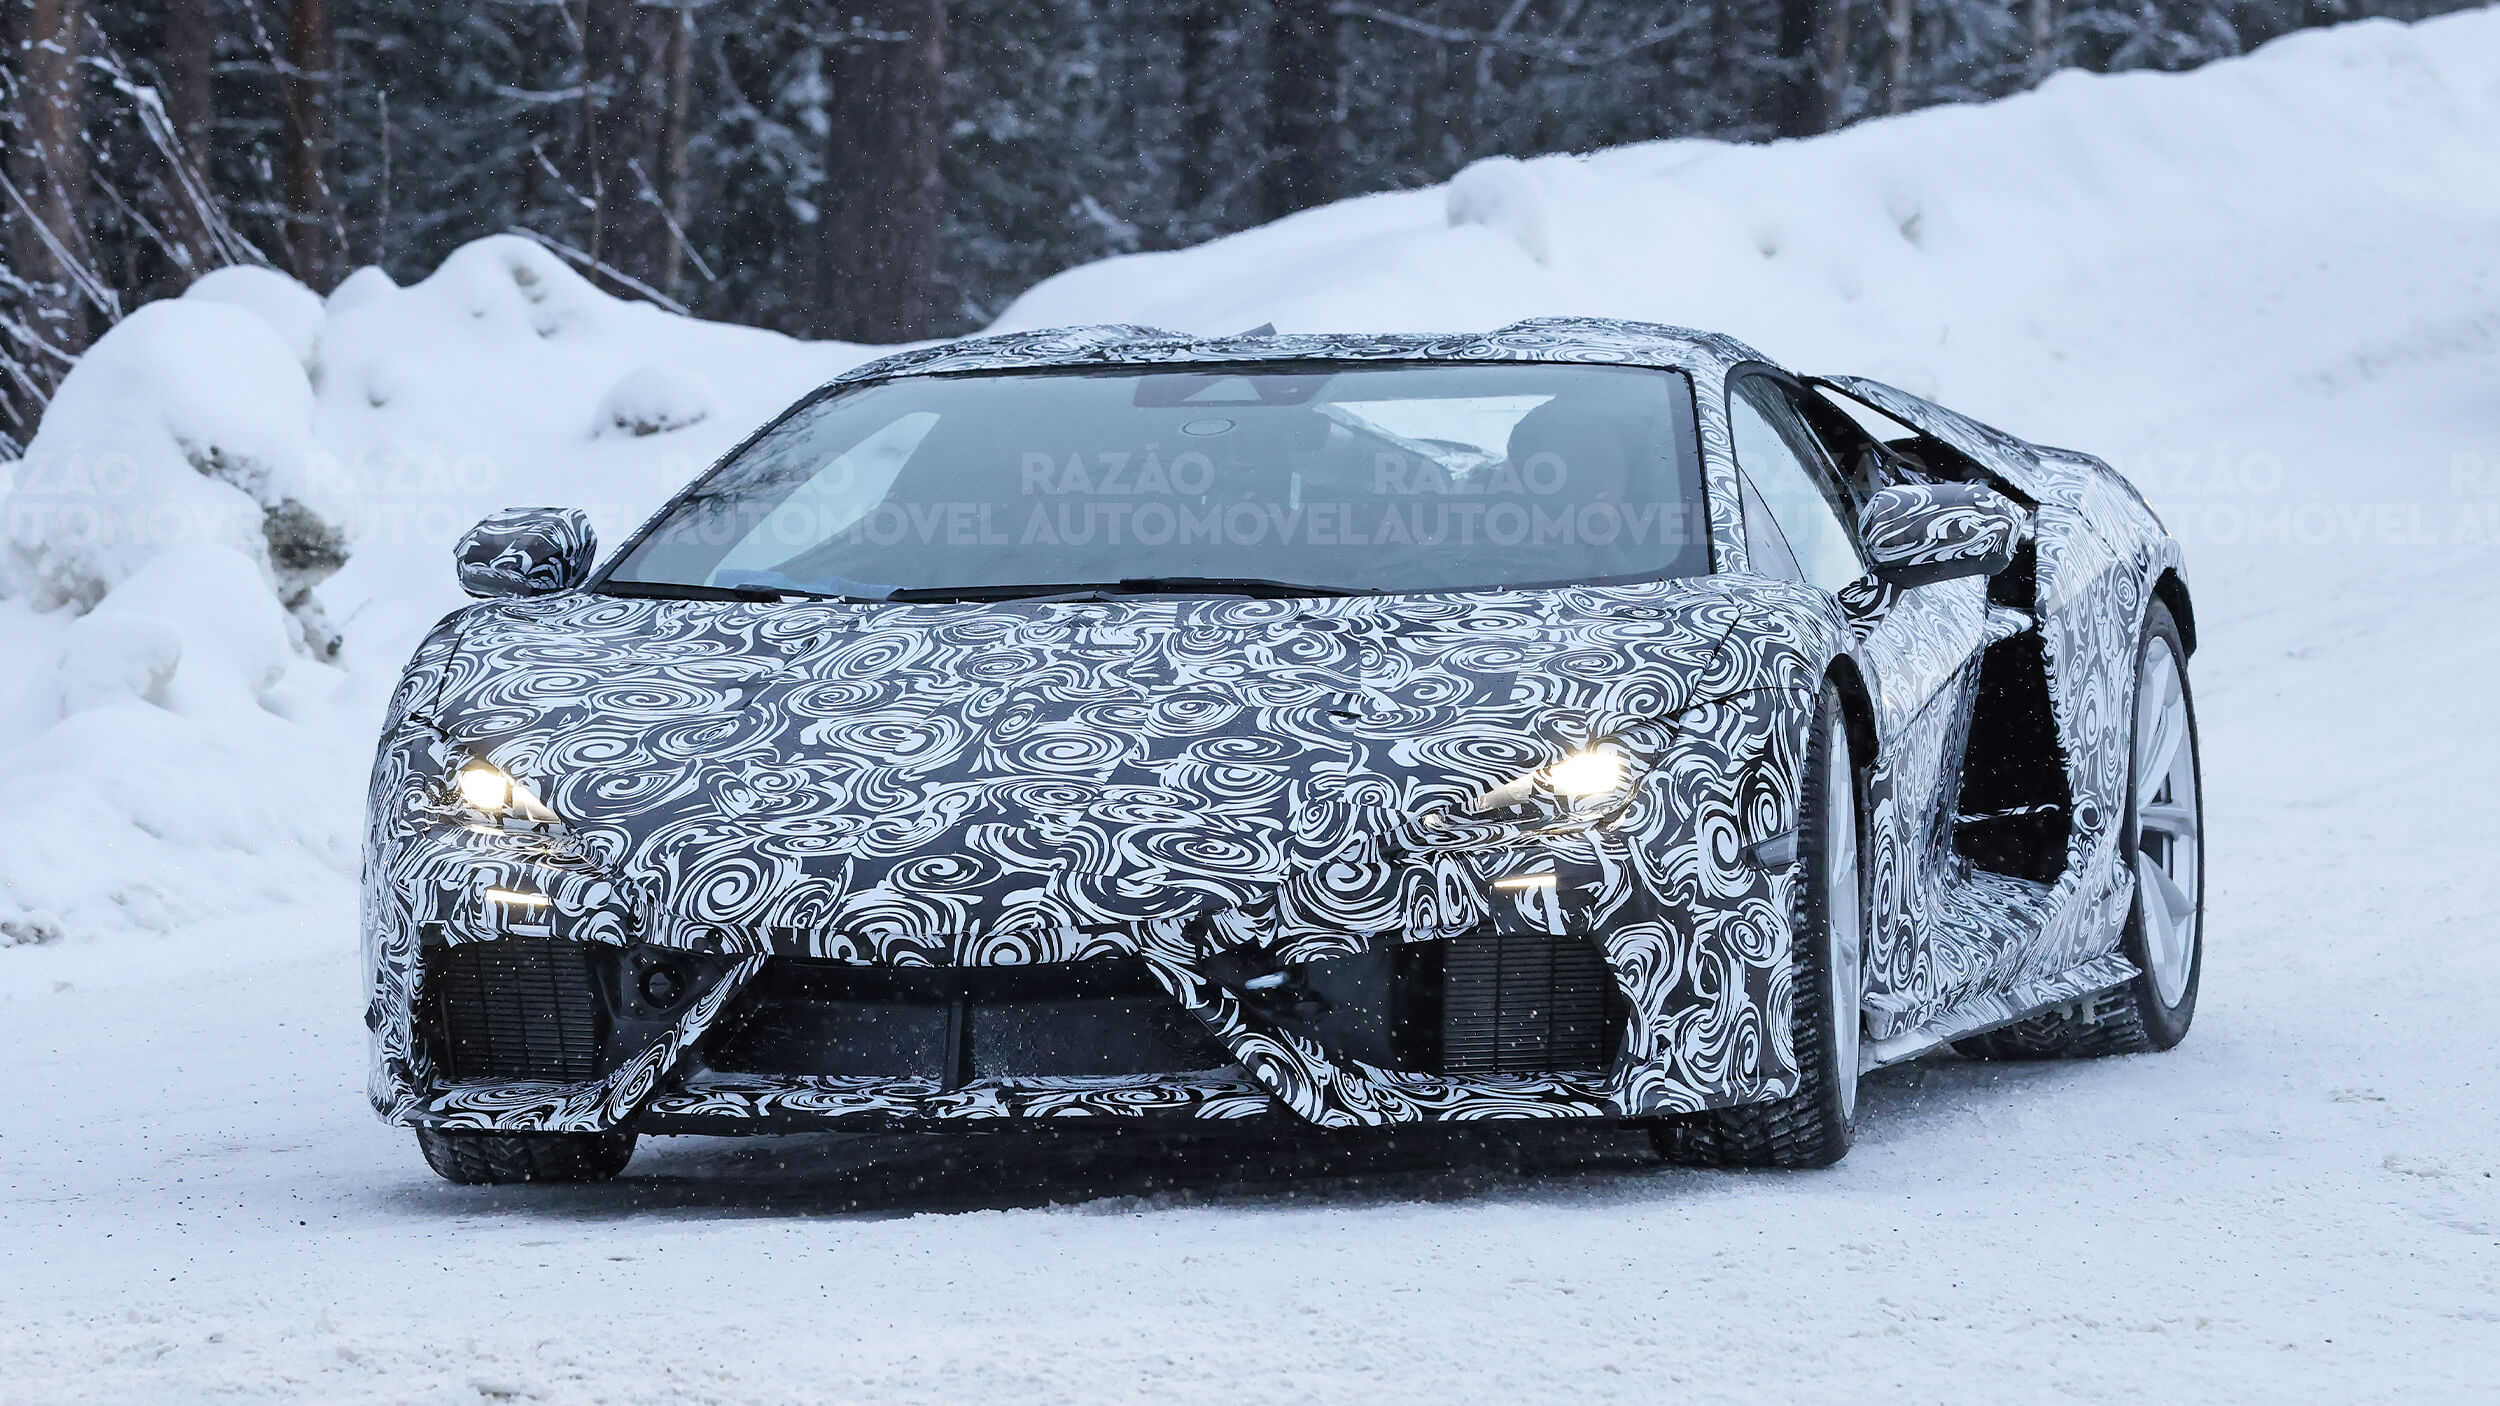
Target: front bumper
{"type": "Point", "coordinates": [1671, 941]}
{"type": "Point", "coordinates": [532, 1018]}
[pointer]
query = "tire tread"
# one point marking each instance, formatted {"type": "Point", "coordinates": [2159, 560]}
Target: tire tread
{"type": "Point", "coordinates": [1805, 1129]}
{"type": "Point", "coordinates": [504, 1159]}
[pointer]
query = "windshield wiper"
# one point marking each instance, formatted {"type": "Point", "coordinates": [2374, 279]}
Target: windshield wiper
{"type": "Point", "coordinates": [686, 590]}
{"type": "Point", "coordinates": [1128, 586]}
{"type": "Point", "coordinates": [1235, 586]}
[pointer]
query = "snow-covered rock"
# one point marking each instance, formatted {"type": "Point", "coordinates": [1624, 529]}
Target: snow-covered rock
{"type": "Point", "coordinates": [292, 310]}
{"type": "Point", "coordinates": [366, 285]}
{"type": "Point", "coordinates": [238, 640]}
{"type": "Point", "coordinates": [1501, 194]}
{"type": "Point", "coordinates": [189, 423]}
{"type": "Point", "coordinates": [178, 538]}
{"type": "Point", "coordinates": [653, 400]}
{"type": "Point", "coordinates": [111, 656]}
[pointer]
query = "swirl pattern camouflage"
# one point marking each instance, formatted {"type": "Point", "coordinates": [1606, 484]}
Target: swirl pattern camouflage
{"type": "Point", "coordinates": [657, 862]}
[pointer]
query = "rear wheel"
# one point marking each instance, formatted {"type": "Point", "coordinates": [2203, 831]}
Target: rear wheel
{"type": "Point", "coordinates": [2164, 843]}
{"type": "Point", "coordinates": [1814, 1126]}
{"type": "Point", "coordinates": [497, 1159]}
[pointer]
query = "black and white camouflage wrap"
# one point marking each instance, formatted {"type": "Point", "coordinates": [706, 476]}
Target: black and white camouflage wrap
{"type": "Point", "coordinates": [1917, 533]}
{"type": "Point", "coordinates": [1176, 778]}
{"type": "Point", "coordinates": [526, 552]}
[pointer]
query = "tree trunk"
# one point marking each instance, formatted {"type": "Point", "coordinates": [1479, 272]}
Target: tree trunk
{"type": "Point", "coordinates": [190, 104]}
{"type": "Point", "coordinates": [625, 52]}
{"type": "Point", "coordinates": [1800, 97]}
{"type": "Point", "coordinates": [50, 171]}
{"type": "Point", "coordinates": [877, 233]}
{"type": "Point", "coordinates": [1302, 71]}
{"type": "Point", "coordinates": [2041, 18]}
{"type": "Point", "coordinates": [673, 179]}
{"type": "Point", "coordinates": [1899, 33]}
{"type": "Point", "coordinates": [1814, 54]}
{"type": "Point", "coordinates": [312, 226]}
{"type": "Point", "coordinates": [1831, 62]}
{"type": "Point", "coordinates": [1202, 119]}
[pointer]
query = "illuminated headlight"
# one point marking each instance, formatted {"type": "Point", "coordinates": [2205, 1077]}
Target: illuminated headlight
{"type": "Point", "coordinates": [1586, 783]}
{"type": "Point", "coordinates": [485, 787]}
{"type": "Point", "coordinates": [499, 798]}
{"type": "Point", "coordinates": [1596, 772]}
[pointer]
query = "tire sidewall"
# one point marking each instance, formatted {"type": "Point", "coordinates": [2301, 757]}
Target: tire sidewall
{"type": "Point", "coordinates": [2164, 1025]}
{"type": "Point", "coordinates": [1817, 1054]}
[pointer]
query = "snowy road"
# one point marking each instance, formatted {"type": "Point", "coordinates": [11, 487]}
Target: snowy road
{"type": "Point", "coordinates": [2297, 1205]}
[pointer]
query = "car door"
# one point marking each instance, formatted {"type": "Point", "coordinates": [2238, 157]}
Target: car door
{"type": "Point", "coordinates": [1919, 653]}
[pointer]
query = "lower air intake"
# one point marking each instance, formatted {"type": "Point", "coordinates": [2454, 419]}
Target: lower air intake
{"type": "Point", "coordinates": [515, 1010]}
{"type": "Point", "coordinates": [1106, 1017]}
{"type": "Point", "coordinates": [1527, 1005]}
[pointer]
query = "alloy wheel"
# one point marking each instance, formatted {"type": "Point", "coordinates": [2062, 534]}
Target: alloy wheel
{"type": "Point", "coordinates": [1843, 916]}
{"type": "Point", "coordinates": [2169, 846]}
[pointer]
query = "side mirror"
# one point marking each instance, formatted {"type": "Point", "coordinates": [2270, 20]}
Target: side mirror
{"type": "Point", "coordinates": [527, 552]}
{"type": "Point", "coordinates": [1926, 532]}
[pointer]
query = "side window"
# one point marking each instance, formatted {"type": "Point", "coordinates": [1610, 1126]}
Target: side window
{"type": "Point", "coordinates": [1764, 545]}
{"type": "Point", "coordinates": [1812, 512]}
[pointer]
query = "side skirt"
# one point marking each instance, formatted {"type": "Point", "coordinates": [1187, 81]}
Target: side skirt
{"type": "Point", "coordinates": [2088, 982]}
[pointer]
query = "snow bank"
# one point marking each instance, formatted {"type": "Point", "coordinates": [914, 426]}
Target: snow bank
{"type": "Point", "coordinates": [228, 473]}
{"type": "Point", "coordinates": [2231, 225]}
{"type": "Point", "coordinates": [191, 422]}
{"type": "Point", "coordinates": [292, 310]}
{"type": "Point", "coordinates": [1502, 194]}
{"type": "Point", "coordinates": [2102, 261]}
{"type": "Point", "coordinates": [153, 775]}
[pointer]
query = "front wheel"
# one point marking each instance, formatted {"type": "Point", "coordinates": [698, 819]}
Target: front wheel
{"type": "Point", "coordinates": [499, 1159]}
{"type": "Point", "coordinates": [1814, 1126]}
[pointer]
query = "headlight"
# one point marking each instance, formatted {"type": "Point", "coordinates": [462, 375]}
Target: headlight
{"type": "Point", "coordinates": [484, 786]}
{"type": "Point", "coordinates": [496, 797]}
{"type": "Point", "coordinates": [1595, 772]}
{"type": "Point", "coordinates": [1580, 787]}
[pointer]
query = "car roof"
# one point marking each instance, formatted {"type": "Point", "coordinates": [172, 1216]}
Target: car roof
{"type": "Point", "coordinates": [1591, 340]}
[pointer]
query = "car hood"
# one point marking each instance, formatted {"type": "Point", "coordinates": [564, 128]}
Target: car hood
{"type": "Point", "coordinates": [876, 774]}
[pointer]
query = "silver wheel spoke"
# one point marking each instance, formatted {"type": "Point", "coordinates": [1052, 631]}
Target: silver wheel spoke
{"type": "Point", "coordinates": [2177, 909]}
{"type": "Point", "coordinates": [2160, 746]}
{"type": "Point", "coordinates": [2169, 823]}
{"type": "Point", "coordinates": [2167, 818]}
{"type": "Point", "coordinates": [1842, 919]}
{"type": "Point", "coordinates": [2161, 933]}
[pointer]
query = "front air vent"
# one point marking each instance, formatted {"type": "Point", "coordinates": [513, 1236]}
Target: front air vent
{"type": "Point", "coordinates": [1527, 1005]}
{"type": "Point", "coordinates": [1106, 1017]}
{"type": "Point", "coordinates": [514, 1010]}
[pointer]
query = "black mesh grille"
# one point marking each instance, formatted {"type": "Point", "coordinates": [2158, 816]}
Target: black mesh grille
{"type": "Point", "coordinates": [1102, 1017]}
{"type": "Point", "coordinates": [1527, 1005]}
{"type": "Point", "coordinates": [515, 1010]}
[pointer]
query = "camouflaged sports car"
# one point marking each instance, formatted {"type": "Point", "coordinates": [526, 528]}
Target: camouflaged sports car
{"type": "Point", "coordinates": [1586, 719]}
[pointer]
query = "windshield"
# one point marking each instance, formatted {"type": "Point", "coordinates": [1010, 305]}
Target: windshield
{"type": "Point", "coordinates": [1262, 479]}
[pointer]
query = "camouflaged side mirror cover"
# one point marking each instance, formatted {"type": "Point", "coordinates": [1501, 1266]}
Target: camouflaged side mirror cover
{"type": "Point", "coordinates": [527, 552]}
{"type": "Point", "coordinates": [1925, 532]}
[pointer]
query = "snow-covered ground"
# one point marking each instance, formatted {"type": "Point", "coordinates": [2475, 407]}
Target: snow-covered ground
{"type": "Point", "coordinates": [2270, 289]}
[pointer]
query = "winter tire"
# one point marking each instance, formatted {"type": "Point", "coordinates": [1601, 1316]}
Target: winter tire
{"type": "Point", "coordinates": [499, 1159]}
{"type": "Point", "coordinates": [1814, 1126]}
